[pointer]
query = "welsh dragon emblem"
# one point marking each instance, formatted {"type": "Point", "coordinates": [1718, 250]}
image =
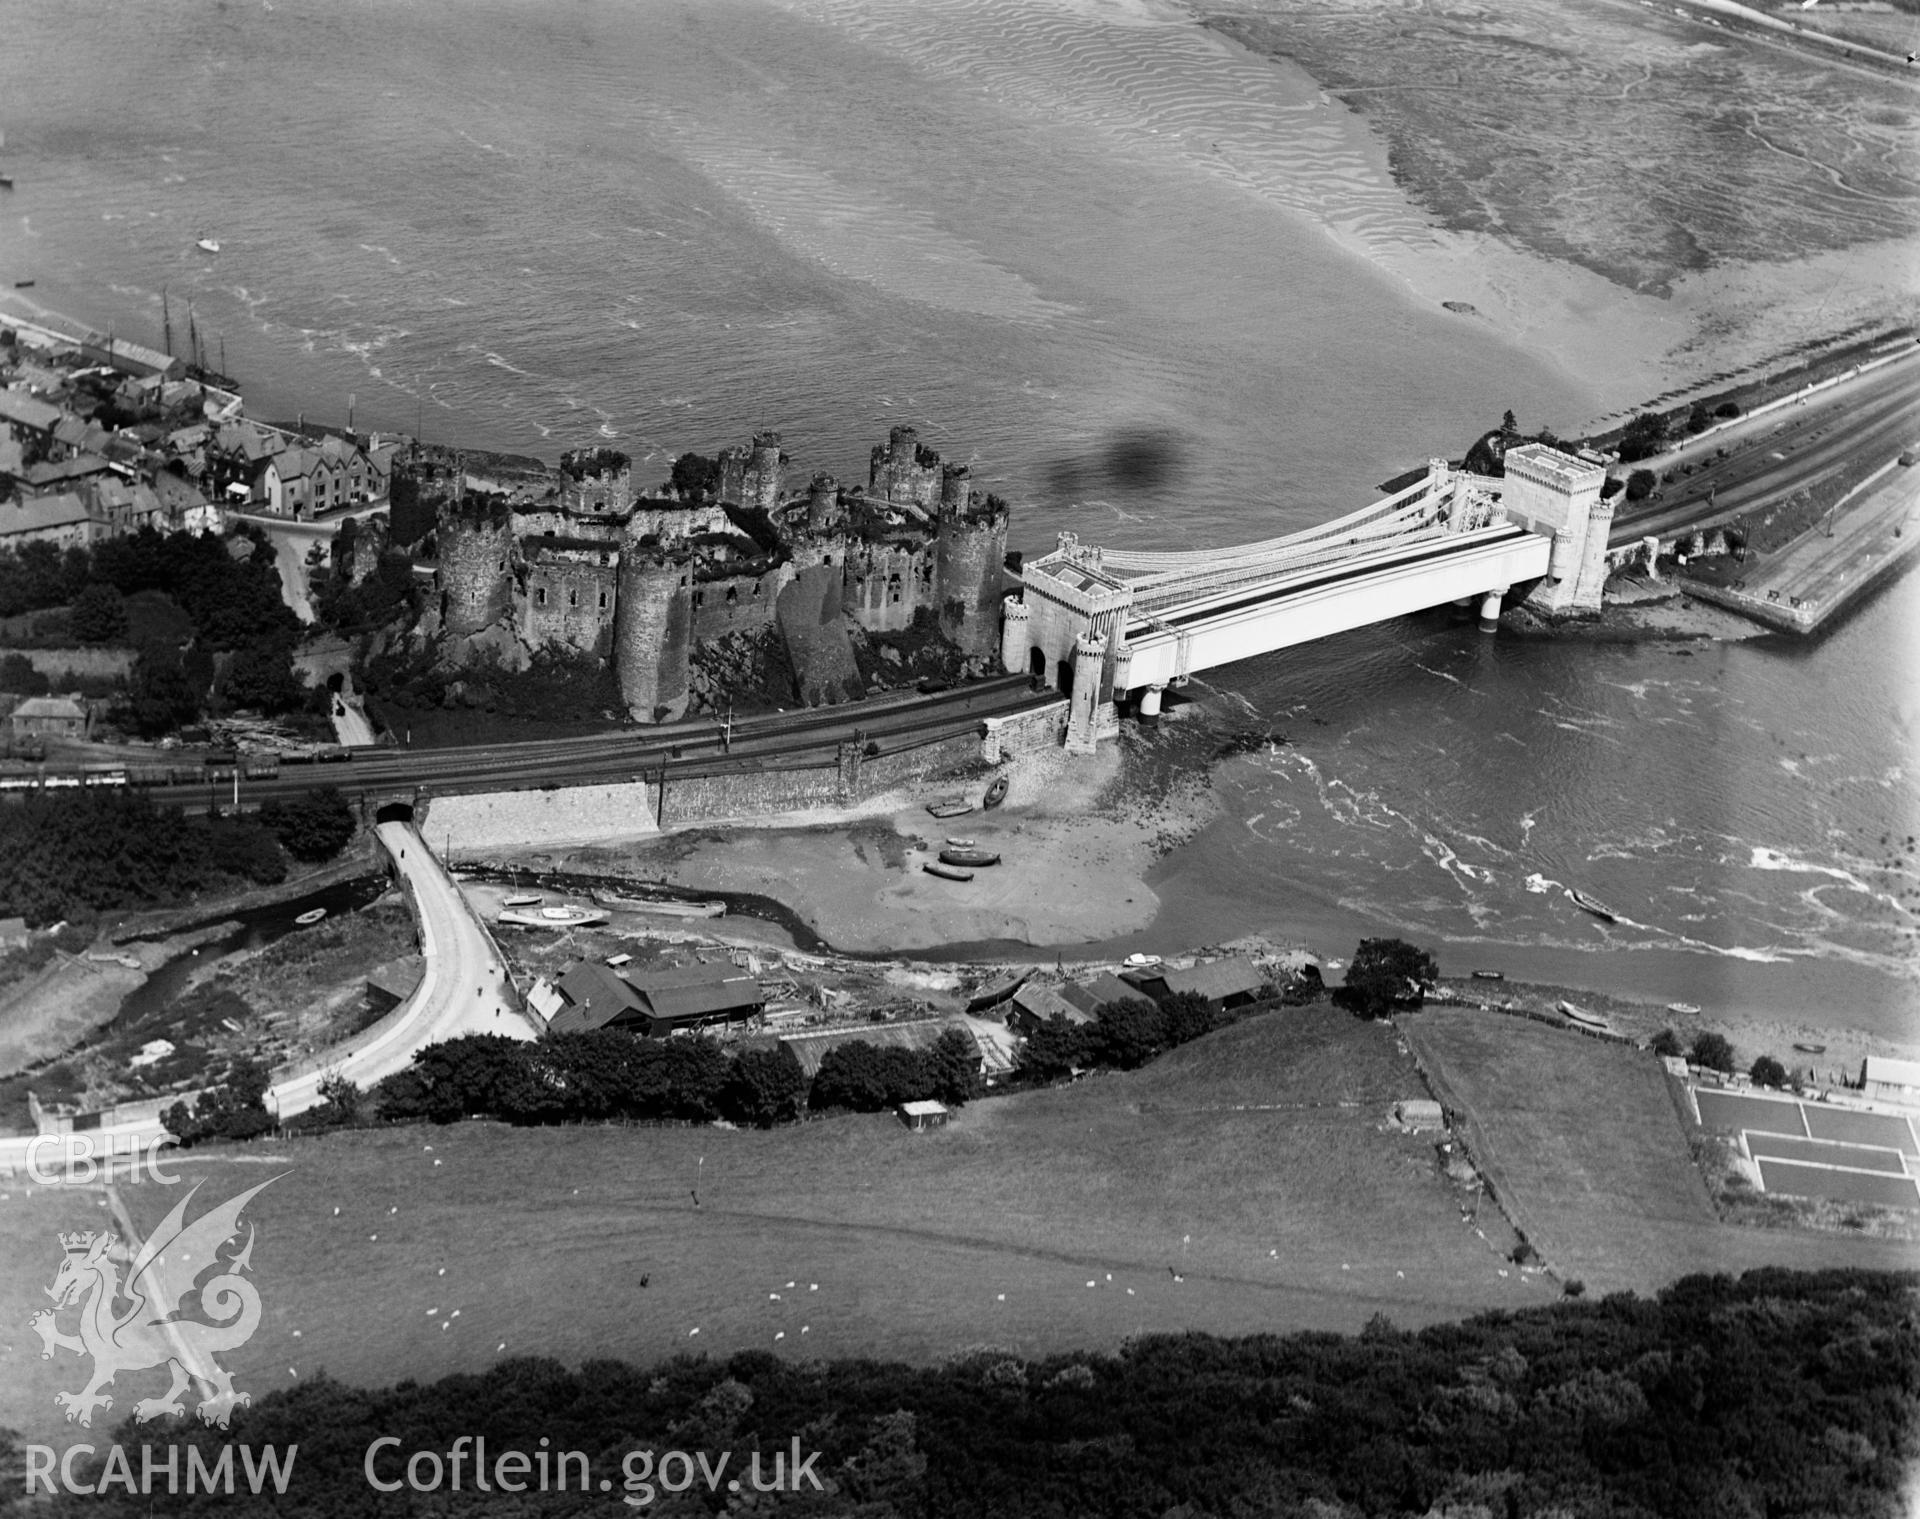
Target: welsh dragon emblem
{"type": "Point", "coordinates": [151, 1329]}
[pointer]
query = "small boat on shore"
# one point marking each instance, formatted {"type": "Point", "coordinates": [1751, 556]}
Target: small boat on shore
{"type": "Point", "coordinates": [1592, 904]}
{"type": "Point", "coordinates": [950, 807]}
{"type": "Point", "coordinates": [946, 872]}
{"type": "Point", "coordinates": [996, 792]}
{"type": "Point", "coordinates": [6, 181]}
{"type": "Point", "coordinates": [1811, 1049]}
{"type": "Point", "coordinates": [1683, 1007]}
{"type": "Point", "coordinates": [208, 244]}
{"type": "Point", "coordinates": [564, 916]}
{"type": "Point", "coordinates": [969, 857]}
{"type": "Point", "coordinates": [1584, 1018]}
{"type": "Point", "coordinates": [533, 900]}
{"type": "Point", "coordinates": [673, 907]}
{"type": "Point", "coordinates": [312, 915]}
{"type": "Point", "coordinates": [1139, 960]}
{"type": "Point", "coordinates": [1489, 975]}
{"type": "Point", "coordinates": [953, 843]}
{"type": "Point", "coordinates": [23, 284]}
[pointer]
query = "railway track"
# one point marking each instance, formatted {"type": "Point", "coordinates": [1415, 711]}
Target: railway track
{"type": "Point", "coordinates": [809, 737]}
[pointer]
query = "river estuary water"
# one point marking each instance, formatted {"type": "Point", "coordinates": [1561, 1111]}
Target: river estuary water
{"type": "Point", "coordinates": [1032, 230]}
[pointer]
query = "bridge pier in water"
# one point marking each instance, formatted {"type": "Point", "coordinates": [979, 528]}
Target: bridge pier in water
{"type": "Point", "coordinates": [1490, 610]}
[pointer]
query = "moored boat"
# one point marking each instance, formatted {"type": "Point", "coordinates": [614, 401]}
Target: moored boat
{"type": "Point", "coordinates": [947, 872]}
{"type": "Point", "coordinates": [1591, 904]}
{"type": "Point", "coordinates": [312, 915]}
{"type": "Point", "coordinates": [1139, 960]}
{"type": "Point", "coordinates": [673, 907]}
{"type": "Point", "coordinates": [1489, 975]}
{"type": "Point", "coordinates": [996, 792]}
{"type": "Point", "coordinates": [533, 900]}
{"type": "Point", "coordinates": [1811, 1049]}
{"type": "Point", "coordinates": [972, 857]}
{"type": "Point", "coordinates": [208, 244]}
{"type": "Point", "coordinates": [953, 843]}
{"type": "Point", "coordinates": [950, 807]}
{"type": "Point", "coordinates": [1683, 1007]}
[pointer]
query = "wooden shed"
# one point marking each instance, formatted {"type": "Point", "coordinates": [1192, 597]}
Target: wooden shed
{"type": "Point", "coordinates": [924, 1115]}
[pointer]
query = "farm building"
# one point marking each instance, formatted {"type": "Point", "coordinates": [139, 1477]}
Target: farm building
{"type": "Point", "coordinates": [1890, 1080]}
{"type": "Point", "coordinates": [1091, 996]}
{"type": "Point", "coordinates": [923, 1115]}
{"type": "Point", "coordinates": [1228, 982]}
{"type": "Point", "coordinates": [657, 1003]}
{"type": "Point", "coordinates": [1033, 1005]}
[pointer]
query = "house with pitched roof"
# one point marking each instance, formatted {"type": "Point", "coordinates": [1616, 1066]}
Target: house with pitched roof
{"type": "Point", "coordinates": [657, 1003]}
{"type": "Point", "coordinates": [63, 519]}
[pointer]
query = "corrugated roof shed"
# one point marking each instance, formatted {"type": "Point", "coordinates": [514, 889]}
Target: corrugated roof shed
{"type": "Point", "coordinates": [1091, 996]}
{"type": "Point", "coordinates": [1044, 1002]}
{"type": "Point", "coordinates": [1216, 980]}
{"type": "Point", "coordinates": [684, 1004]}
{"type": "Point", "coordinates": [595, 996]}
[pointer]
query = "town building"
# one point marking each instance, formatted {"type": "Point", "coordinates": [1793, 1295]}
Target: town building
{"type": "Point", "coordinates": [44, 717]}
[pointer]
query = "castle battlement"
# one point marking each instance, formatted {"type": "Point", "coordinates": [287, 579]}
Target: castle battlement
{"type": "Point", "coordinates": [642, 581]}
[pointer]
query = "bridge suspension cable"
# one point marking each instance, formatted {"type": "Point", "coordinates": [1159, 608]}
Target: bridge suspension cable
{"type": "Point", "coordinates": [1166, 579]}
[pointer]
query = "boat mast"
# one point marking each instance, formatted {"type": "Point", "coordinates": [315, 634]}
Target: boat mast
{"type": "Point", "coordinates": [166, 321]}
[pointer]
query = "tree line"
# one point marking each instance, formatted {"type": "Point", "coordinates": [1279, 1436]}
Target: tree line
{"type": "Point", "coordinates": [240, 635]}
{"type": "Point", "coordinates": [1790, 1395]}
{"type": "Point", "coordinates": [77, 854]}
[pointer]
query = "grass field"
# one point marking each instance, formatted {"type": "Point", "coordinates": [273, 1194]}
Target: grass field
{"type": "Point", "coordinates": [1304, 1211]}
{"type": "Point", "coordinates": [1860, 1187]}
{"type": "Point", "coordinates": [1820, 1152]}
{"type": "Point", "coordinates": [1586, 1148]}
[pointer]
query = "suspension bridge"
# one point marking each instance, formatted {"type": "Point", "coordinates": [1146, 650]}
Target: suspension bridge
{"type": "Point", "coordinates": [1113, 626]}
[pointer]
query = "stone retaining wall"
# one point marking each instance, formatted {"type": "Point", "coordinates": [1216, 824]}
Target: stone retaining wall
{"type": "Point", "coordinates": [562, 815]}
{"type": "Point", "coordinates": [64, 664]}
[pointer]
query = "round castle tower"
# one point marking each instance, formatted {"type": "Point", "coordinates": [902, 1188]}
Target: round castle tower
{"type": "Point", "coordinates": [762, 486]}
{"type": "Point", "coordinates": [1013, 636]}
{"type": "Point", "coordinates": [652, 632]}
{"type": "Point", "coordinates": [595, 480]}
{"type": "Point", "coordinates": [970, 546]}
{"type": "Point", "coordinates": [476, 543]}
{"type": "Point", "coordinates": [823, 504]}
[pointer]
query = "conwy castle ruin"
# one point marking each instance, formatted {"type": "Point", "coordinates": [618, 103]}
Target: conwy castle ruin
{"type": "Point", "coordinates": [640, 581]}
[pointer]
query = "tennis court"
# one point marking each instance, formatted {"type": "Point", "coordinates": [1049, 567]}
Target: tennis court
{"type": "Point", "coordinates": [1887, 1129]}
{"type": "Point", "coordinates": [1820, 1152]}
{"type": "Point", "coordinates": [1732, 1112]}
{"type": "Point", "coordinates": [1839, 1186]}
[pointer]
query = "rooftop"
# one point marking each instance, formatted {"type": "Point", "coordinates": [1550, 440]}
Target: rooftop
{"type": "Point", "coordinates": [1540, 459]}
{"type": "Point", "coordinates": [42, 513]}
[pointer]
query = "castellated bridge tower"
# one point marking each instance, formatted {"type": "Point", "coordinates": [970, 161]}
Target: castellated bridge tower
{"type": "Point", "coordinates": [653, 631]}
{"type": "Point", "coordinates": [970, 545]}
{"type": "Point", "coordinates": [1546, 491]}
{"type": "Point", "coordinates": [475, 537]}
